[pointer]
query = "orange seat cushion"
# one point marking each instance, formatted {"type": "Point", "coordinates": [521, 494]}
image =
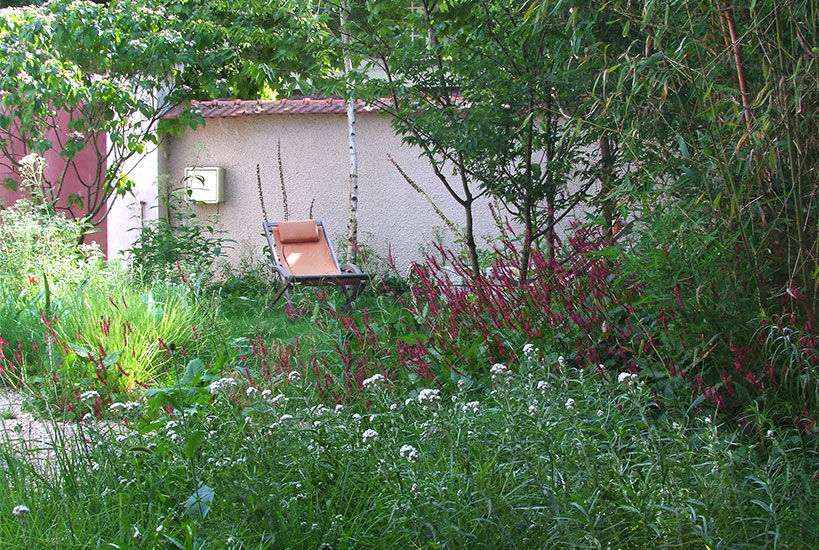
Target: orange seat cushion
{"type": "Point", "coordinates": [309, 257]}
{"type": "Point", "coordinates": [304, 231]}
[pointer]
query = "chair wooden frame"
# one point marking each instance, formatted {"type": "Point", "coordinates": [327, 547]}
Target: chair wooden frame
{"type": "Point", "coordinates": [347, 276]}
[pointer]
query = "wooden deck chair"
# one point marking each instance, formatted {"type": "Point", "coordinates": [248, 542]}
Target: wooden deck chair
{"type": "Point", "coordinates": [302, 254]}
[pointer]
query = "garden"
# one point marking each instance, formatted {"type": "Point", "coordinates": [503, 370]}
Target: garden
{"type": "Point", "coordinates": [632, 362]}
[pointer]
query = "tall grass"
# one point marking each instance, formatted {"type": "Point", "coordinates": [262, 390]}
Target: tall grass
{"type": "Point", "coordinates": [548, 457]}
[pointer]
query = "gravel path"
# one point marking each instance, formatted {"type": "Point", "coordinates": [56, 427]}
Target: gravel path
{"type": "Point", "coordinates": [31, 439]}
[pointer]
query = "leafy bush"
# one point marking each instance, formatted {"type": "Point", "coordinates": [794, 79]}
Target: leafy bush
{"type": "Point", "coordinates": [177, 248]}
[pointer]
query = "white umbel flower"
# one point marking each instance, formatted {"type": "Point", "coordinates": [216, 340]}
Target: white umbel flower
{"type": "Point", "coordinates": [369, 435]}
{"type": "Point", "coordinates": [373, 381]}
{"type": "Point", "coordinates": [499, 369]}
{"type": "Point", "coordinates": [20, 511]}
{"type": "Point", "coordinates": [409, 452]}
{"type": "Point", "coordinates": [221, 385]}
{"type": "Point", "coordinates": [569, 404]}
{"type": "Point", "coordinates": [429, 395]}
{"type": "Point", "coordinates": [89, 396]}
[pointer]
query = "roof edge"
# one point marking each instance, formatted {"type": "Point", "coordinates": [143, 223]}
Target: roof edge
{"type": "Point", "coordinates": [219, 108]}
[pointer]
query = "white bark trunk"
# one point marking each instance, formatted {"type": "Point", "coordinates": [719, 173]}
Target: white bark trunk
{"type": "Point", "coordinates": [352, 227]}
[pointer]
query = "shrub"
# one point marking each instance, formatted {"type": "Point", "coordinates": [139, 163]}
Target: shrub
{"type": "Point", "coordinates": [177, 248]}
{"type": "Point", "coordinates": [653, 307]}
{"type": "Point", "coordinates": [39, 247]}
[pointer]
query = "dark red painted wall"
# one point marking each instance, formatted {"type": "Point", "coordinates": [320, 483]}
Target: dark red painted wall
{"type": "Point", "coordinates": [83, 168]}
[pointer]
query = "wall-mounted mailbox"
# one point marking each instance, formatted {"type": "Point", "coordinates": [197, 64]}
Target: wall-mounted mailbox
{"type": "Point", "coordinates": [205, 184]}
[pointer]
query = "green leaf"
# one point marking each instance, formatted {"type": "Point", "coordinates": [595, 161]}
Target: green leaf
{"type": "Point", "coordinates": [192, 444]}
{"type": "Point", "coordinates": [683, 147]}
{"type": "Point", "coordinates": [198, 504]}
{"type": "Point", "coordinates": [193, 372]}
{"type": "Point", "coordinates": [111, 359]}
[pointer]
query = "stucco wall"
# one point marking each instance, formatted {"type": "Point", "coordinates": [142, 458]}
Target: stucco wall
{"type": "Point", "coordinates": [316, 166]}
{"type": "Point", "coordinates": [140, 205]}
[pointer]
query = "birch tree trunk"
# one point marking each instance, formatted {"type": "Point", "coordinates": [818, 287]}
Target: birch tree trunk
{"type": "Point", "coordinates": [352, 226]}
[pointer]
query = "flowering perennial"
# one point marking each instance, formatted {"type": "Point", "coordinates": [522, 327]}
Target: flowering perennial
{"type": "Point", "coordinates": [499, 369]}
{"type": "Point", "coordinates": [20, 511]}
{"type": "Point", "coordinates": [89, 396]}
{"type": "Point", "coordinates": [373, 381]}
{"type": "Point", "coordinates": [126, 407]}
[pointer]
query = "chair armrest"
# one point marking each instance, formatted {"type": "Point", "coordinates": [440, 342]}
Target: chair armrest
{"type": "Point", "coordinates": [350, 268]}
{"type": "Point", "coordinates": [282, 272]}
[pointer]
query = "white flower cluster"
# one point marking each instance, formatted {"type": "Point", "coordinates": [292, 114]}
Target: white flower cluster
{"type": "Point", "coordinates": [409, 452]}
{"type": "Point", "coordinates": [626, 377]}
{"type": "Point", "coordinates": [267, 395]}
{"type": "Point", "coordinates": [293, 376]}
{"type": "Point", "coordinates": [89, 396]}
{"type": "Point", "coordinates": [31, 158]}
{"type": "Point", "coordinates": [373, 381]}
{"type": "Point", "coordinates": [472, 407]}
{"type": "Point", "coordinates": [251, 391]}
{"type": "Point", "coordinates": [530, 352]}
{"type": "Point", "coordinates": [126, 407]}
{"type": "Point", "coordinates": [221, 385]}
{"type": "Point", "coordinates": [369, 435]}
{"type": "Point", "coordinates": [319, 410]}
{"type": "Point", "coordinates": [561, 361]}
{"type": "Point", "coordinates": [569, 404]}
{"type": "Point", "coordinates": [20, 511]}
{"type": "Point", "coordinates": [499, 369]}
{"type": "Point", "coordinates": [429, 395]}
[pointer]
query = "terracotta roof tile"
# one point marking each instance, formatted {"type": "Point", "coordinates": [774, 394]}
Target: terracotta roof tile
{"type": "Point", "coordinates": [218, 108]}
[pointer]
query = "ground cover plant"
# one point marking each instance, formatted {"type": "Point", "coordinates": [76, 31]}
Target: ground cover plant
{"type": "Point", "coordinates": [548, 457]}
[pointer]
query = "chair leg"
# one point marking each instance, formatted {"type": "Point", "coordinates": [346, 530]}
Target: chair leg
{"type": "Point", "coordinates": [348, 299]}
{"type": "Point", "coordinates": [283, 290]}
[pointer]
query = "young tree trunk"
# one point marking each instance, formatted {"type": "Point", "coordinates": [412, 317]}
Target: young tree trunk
{"type": "Point", "coordinates": [527, 246]}
{"type": "Point", "coordinates": [352, 226]}
{"type": "Point", "coordinates": [471, 246]}
{"type": "Point", "coordinates": [606, 183]}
